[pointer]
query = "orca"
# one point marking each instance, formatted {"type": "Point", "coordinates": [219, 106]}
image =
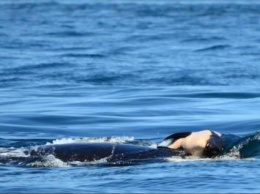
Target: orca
{"type": "Point", "coordinates": [112, 152]}
{"type": "Point", "coordinates": [204, 143]}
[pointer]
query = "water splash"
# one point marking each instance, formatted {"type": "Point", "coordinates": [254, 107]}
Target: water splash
{"type": "Point", "coordinates": [112, 139]}
{"type": "Point", "coordinates": [47, 161]}
{"type": "Point", "coordinates": [246, 147]}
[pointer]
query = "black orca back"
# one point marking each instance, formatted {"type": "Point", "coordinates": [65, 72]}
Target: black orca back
{"type": "Point", "coordinates": [113, 153]}
{"type": "Point", "coordinates": [86, 152]}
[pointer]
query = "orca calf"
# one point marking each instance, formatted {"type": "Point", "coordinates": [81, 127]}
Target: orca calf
{"type": "Point", "coordinates": [204, 143]}
{"type": "Point", "coordinates": [201, 144]}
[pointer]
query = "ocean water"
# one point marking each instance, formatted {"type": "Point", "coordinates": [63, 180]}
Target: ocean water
{"type": "Point", "coordinates": [128, 71]}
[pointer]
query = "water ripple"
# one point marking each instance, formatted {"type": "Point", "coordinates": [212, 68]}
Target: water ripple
{"type": "Point", "coordinates": [214, 48]}
{"type": "Point", "coordinates": [141, 69]}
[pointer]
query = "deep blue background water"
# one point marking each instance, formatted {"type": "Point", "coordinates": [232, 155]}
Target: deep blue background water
{"type": "Point", "coordinates": [128, 71]}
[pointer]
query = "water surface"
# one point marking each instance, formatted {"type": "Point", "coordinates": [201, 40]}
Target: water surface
{"type": "Point", "coordinates": [129, 72]}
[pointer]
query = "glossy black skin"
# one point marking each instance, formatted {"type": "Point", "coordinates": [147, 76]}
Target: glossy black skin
{"type": "Point", "coordinates": [112, 152]}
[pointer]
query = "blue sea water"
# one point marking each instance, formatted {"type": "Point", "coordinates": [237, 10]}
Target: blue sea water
{"type": "Point", "coordinates": [128, 71]}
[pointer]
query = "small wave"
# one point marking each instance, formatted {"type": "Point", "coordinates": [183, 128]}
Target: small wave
{"type": "Point", "coordinates": [248, 146]}
{"type": "Point", "coordinates": [231, 95]}
{"type": "Point", "coordinates": [84, 55]}
{"type": "Point", "coordinates": [112, 139]}
{"type": "Point", "coordinates": [70, 34]}
{"type": "Point", "coordinates": [213, 48]}
{"type": "Point", "coordinates": [201, 39]}
{"type": "Point", "coordinates": [245, 147]}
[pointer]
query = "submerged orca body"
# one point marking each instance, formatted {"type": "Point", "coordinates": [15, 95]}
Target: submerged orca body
{"type": "Point", "coordinates": [112, 152]}
{"type": "Point", "coordinates": [201, 144]}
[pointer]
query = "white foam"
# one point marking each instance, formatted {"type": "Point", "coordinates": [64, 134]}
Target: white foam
{"type": "Point", "coordinates": [52, 161]}
{"type": "Point", "coordinates": [112, 139]}
{"type": "Point", "coordinates": [12, 152]}
{"type": "Point", "coordinates": [165, 143]}
{"type": "Point", "coordinates": [225, 157]}
{"type": "Point", "coordinates": [49, 161]}
{"type": "Point", "coordinates": [235, 151]}
{"type": "Point", "coordinates": [186, 159]}
{"type": "Point", "coordinates": [154, 145]}
{"type": "Point", "coordinates": [3, 150]}
{"type": "Point", "coordinates": [95, 162]}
